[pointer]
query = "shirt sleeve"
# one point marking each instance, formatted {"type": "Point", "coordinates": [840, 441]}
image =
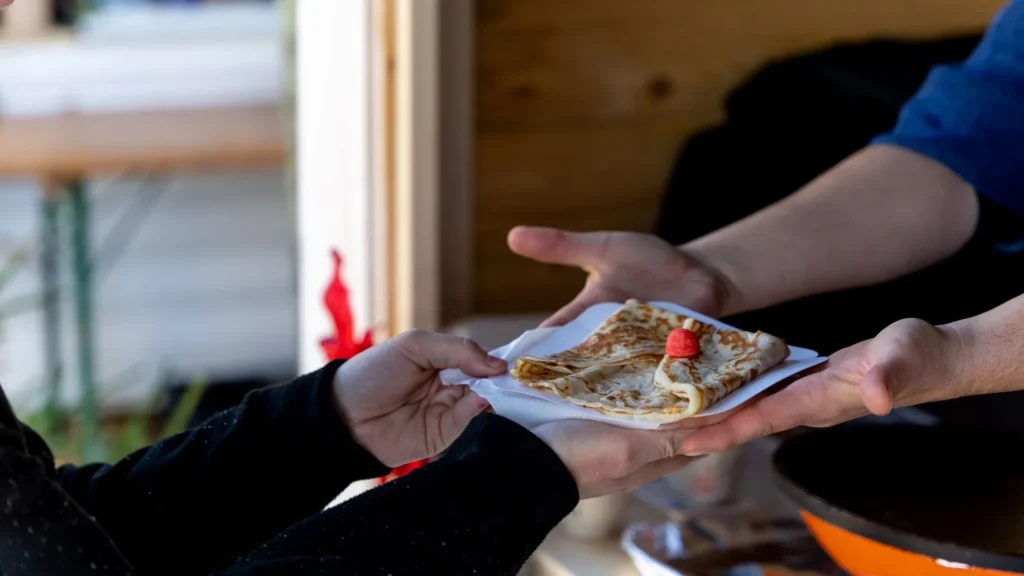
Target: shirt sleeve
{"type": "Point", "coordinates": [969, 116]}
{"type": "Point", "coordinates": [482, 509]}
{"type": "Point", "coordinates": [43, 531]}
{"type": "Point", "coordinates": [199, 500]}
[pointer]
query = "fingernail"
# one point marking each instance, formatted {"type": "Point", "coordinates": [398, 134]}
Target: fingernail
{"type": "Point", "coordinates": [496, 362]}
{"type": "Point", "coordinates": [695, 453]}
{"type": "Point", "coordinates": [482, 405]}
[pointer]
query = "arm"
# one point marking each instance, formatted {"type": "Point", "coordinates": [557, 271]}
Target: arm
{"type": "Point", "coordinates": [882, 213]}
{"type": "Point", "coordinates": [905, 202]}
{"type": "Point", "coordinates": [198, 501]}
{"type": "Point", "coordinates": [43, 531]}
{"type": "Point", "coordinates": [900, 205]}
{"type": "Point", "coordinates": [483, 508]}
{"type": "Point", "coordinates": [989, 351]}
{"type": "Point", "coordinates": [202, 498]}
{"type": "Point", "coordinates": [908, 363]}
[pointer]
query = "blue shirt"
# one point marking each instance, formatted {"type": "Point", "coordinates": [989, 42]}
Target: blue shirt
{"type": "Point", "coordinates": [970, 116]}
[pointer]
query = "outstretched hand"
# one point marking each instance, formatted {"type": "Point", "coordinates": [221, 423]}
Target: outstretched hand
{"type": "Point", "coordinates": [620, 266]}
{"type": "Point", "coordinates": [910, 362]}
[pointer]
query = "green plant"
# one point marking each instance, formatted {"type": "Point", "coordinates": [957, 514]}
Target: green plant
{"type": "Point", "coordinates": [121, 437]}
{"type": "Point", "coordinates": [62, 429]}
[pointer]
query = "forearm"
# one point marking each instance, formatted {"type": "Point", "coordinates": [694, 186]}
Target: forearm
{"type": "Point", "coordinates": [882, 213]}
{"type": "Point", "coordinates": [43, 531]}
{"type": "Point", "coordinates": [481, 509]}
{"type": "Point", "coordinates": [989, 351]}
{"type": "Point", "coordinates": [223, 487]}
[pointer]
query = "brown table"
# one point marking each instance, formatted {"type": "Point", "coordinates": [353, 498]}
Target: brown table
{"type": "Point", "coordinates": [62, 152]}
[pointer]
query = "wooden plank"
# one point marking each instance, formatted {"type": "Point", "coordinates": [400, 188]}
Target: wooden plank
{"type": "Point", "coordinates": [75, 146]}
{"type": "Point", "coordinates": [582, 105]}
{"type": "Point", "coordinates": [544, 64]}
{"type": "Point", "coordinates": [607, 177]}
{"type": "Point", "coordinates": [458, 92]}
{"type": "Point", "coordinates": [153, 141]}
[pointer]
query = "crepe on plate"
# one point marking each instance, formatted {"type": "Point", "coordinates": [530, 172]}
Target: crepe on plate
{"type": "Point", "coordinates": [621, 368]}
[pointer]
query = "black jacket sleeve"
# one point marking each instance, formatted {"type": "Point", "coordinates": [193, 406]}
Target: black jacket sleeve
{"type": "Point", "coordinates": [482, 509]}
{"type": "Point", "coordinates": [197, 501]}
{"type": "Point", "coordinates": [42, 531]}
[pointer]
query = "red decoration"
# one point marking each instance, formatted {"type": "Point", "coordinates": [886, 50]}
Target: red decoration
{"type": "Point", "coordinates": [343, 344]}
{"type": "Point", "coordinates": [403, 470]}
{"type": "Point", "coordinates": [682, 343]}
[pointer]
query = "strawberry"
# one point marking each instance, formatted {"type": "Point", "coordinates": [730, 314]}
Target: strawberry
{"type": "Point", "coordinates": [682, 343]}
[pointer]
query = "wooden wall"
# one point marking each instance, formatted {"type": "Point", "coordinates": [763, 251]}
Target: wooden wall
{"type": "Point", "coordinates": [581, 105]}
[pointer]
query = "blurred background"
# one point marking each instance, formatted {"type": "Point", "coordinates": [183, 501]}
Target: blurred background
{"type": "Point", "coordinates": [175, 174]}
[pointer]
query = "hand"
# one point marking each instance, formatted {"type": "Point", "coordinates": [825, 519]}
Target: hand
{"type": "Point", "coordinates": [910, 362]}
{"type": "Point", "coordinates": [392, 398]}
{"type": "Point", "coordinates": [622, 265]}
{"type": "Point", "coordinates": [605, 460]}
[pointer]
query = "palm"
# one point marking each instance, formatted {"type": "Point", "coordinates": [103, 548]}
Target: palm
{"type": "Point", "coordinates": [395, 403]}
{"type": "Point", "coordinates": [827, 398]}
{"type": "Point", "coordinates": [415, 427]}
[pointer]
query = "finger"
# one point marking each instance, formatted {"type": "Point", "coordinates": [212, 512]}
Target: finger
{"type": "Point", "coordinates": [454, 421]}
{"type": "Point", "coordinates": [655, 470]}
{"type": "Point", "coordinates": [706, 421]}
{"type": "Point", "coordinates": [443, 351]}
{"type": "Point", "coordinates": [648, 473]}
{"type": "Point", "coordinates": [568, 313]}
{"type": "Point", "coordinates": [553, 246]}
{"type": "Point", "coordinates": [701, 421]}
{"type": "Point", "coordinates": [646, 446]}
{"type": "Point", "coordinates": [793, 406]}
{"type": "Point", "coordinates": [876, 390]}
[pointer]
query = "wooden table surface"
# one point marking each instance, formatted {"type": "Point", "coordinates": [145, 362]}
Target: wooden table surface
{"type": "Point", "coordinates": [76, 146]}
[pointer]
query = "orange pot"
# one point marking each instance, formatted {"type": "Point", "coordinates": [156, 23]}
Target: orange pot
{"type": "Point", "coordinates": [909, 501]}
{"type": "Point", "coordinates": [862, 556]}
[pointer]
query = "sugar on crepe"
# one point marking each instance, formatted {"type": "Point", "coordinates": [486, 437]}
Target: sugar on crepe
{"type": "Point", "coordinates": [622, 369]}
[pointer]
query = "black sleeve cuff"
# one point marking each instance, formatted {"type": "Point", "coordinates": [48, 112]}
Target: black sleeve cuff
{"type": "Point", "coordinates": [510, 468]}
{"type": "Point", "coordinates": [482, 509]}
{"type": "Point", "coordinates": [316, 428]}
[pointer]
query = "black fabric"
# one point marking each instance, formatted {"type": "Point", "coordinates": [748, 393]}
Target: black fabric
{"type": "Point", "coordinates": [795, 120]}
{"type": "Point", "coordinates": [790, 122]}
{"type": "Point", "coordinates": [244, 493]}
{"type": "Point", "coordinates": [482, 509]}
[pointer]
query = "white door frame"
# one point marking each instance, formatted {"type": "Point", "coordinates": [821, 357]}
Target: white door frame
{"type": "Point", "coordinates": [417, 274]}
{"type": "Point", "coordinates": [333, 163]}
{"type": "Point", "coordinates": [387, 180]}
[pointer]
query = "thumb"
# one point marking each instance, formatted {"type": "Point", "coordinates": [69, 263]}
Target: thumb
{"type": "Point", "coordinates": [444, 351]}
{"type": "Point", "coordinates": [796, 405]}
{"type": "Point", "coordinates": [553, 246]}
{"type": "Point", "coordinates": [570, 311]}
{"type": "Point", "coordinates": [876, 389]}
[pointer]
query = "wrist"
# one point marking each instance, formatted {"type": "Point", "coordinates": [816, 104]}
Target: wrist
{"type": "Point", "coordinates": [548, 434]}
{"type": "Point", "coordinates": [987, 348]}
{"type": "Point", "coordinates": [957, 359]}
{"type": "Point", "coordinates": [721, 273]}
{"type": "Point", "coordinates": [343, 407]}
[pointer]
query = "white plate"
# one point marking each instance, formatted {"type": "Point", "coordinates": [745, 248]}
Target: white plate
{"type": "Point", "coordinates": [531, 407]}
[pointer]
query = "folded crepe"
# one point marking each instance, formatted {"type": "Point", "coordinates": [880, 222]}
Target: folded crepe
{"type": "Point", "coordinates": [621, 369]}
